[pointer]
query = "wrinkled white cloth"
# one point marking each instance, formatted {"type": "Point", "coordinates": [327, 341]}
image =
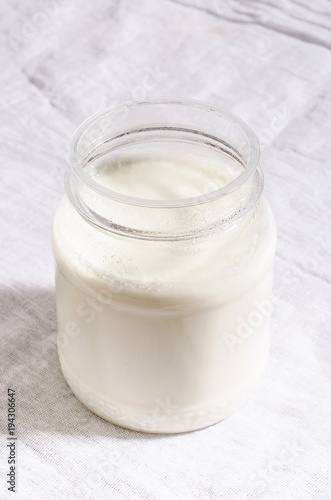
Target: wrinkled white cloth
{"type": "Point", "coordinates": [269, 63]}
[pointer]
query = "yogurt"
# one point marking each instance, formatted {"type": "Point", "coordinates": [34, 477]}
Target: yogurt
{"type": "Point", "coordinates": [163, 336]}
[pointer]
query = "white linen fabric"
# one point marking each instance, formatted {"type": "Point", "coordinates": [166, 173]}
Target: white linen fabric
{"type": "Point", "coordinates": [270, 63]}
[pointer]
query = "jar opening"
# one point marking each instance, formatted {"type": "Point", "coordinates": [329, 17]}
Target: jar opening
{"type": "Point", "coordinates": [195, 160]}
{"type": "Point", "coordinates": [95, 142]}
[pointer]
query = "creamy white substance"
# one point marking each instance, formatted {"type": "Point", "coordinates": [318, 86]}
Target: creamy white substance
{"type": "Point", "coordinates": [163, 336]}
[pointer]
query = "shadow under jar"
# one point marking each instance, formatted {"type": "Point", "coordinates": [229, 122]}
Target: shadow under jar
{"type": "Point", "coordinates": [164, 251]}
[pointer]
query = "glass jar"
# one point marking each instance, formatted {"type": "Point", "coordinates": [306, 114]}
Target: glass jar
{"type": "Point", "coordinates": [164, 251]}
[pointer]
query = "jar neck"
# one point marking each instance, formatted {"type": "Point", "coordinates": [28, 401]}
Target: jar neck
{"type": "Point", "coordinates": [215, 148]}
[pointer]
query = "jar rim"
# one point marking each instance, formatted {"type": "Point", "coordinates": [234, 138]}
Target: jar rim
{"type": "Point", "coordinates": [247, 172]}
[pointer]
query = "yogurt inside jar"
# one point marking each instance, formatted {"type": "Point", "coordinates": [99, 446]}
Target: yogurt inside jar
{"type": "Point", "coordinates": [164, 250]}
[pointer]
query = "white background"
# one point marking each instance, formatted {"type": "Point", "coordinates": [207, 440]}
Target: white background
{"type": "Point", "coordinates": [270, 63]}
